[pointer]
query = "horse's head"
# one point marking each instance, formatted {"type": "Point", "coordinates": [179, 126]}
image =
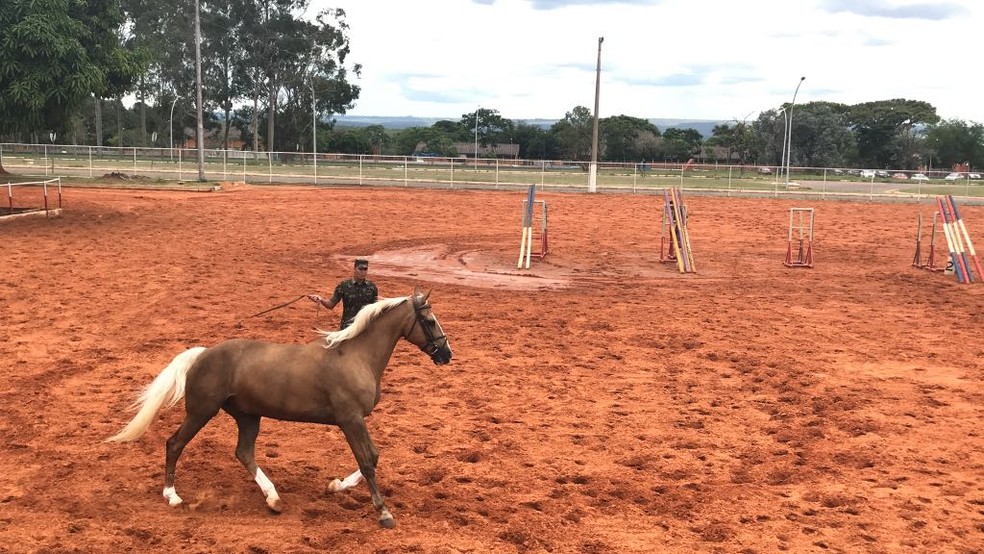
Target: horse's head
{"type": "Point", "coordinates": [426, 332]}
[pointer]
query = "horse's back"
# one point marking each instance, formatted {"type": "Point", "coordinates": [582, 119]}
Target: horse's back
{"type": "Point", "coordinates": [272, 379]}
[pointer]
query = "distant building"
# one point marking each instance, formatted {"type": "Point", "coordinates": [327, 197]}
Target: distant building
{"type": "Point", "coordinates": [467, 149]}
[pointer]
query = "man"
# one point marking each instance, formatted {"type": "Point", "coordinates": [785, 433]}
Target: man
{"type": "Point", "coordinates": [353, 293]}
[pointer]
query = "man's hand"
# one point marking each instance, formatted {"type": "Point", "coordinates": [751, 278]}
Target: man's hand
{"type": "Point", "coordinates": [315, 298]}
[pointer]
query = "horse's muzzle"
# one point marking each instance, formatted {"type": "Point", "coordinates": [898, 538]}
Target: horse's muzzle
{"type": "Point", "coordinates": [441, 356]}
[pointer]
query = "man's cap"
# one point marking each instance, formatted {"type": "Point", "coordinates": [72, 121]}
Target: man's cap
{"type": "Point", "coordinates": [361, 262]}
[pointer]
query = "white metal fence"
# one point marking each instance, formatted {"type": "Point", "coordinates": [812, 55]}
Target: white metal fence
{"type": "Point", "coordinates": [181, 164]}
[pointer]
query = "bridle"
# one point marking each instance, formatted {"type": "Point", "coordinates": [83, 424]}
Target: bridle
{"type": "Point", "coordinates": [430, 347]}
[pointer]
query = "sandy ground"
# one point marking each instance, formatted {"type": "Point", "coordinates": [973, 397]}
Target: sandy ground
{"type": "Point", "coordinates": [599, 402]}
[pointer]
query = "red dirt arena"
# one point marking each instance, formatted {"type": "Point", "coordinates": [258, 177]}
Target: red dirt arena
{"type": "Point", "coordinates": [598, 402]}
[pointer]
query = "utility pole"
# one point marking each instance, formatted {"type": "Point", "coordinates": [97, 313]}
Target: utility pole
{"type": "Point", "coordinates": [198, 93]}
{"type": "Point", "coordinates": [593, 173]}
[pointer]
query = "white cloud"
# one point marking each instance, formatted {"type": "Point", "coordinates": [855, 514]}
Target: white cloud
{"type": "Point", "coordinates": [687, 59]}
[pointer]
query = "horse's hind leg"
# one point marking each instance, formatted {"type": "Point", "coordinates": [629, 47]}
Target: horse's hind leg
{"type": "Point", "coordinates": [366, 455]}
{"type": "Point", "coordinates": [249, 429]}
{"type": "Point", "coordinates": [190, 427]}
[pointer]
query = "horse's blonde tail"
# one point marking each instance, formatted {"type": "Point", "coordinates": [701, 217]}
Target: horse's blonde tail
{"type": "Point", "coordinates": [163, 392]}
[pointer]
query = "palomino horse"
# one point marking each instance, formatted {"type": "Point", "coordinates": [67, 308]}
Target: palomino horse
{"type": "Point", "coordinates": [333, 380]}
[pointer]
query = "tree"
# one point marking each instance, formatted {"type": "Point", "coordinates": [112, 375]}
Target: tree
{"type": "Point", "coordinates": [573, 134]}
{"type": "Point", "coordinates": [492, 129]}
{"type": "Point", "coordinates": [955, 141]}
{"type": "Point", "coordinates": [878, 125]}
{"type": "Point", "coordinates": [534, 142]}
{"type": "Point", "coordinates": [822, 136]}
{"type": "Point", "coordinates": [628, 138]}
{"type": "Point", "coordinates": [680, 144]}
{"type": "Point", "coordinates": [54, 56]}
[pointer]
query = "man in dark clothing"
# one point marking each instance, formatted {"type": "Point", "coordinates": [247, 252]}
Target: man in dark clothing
{"type": "Point", "coordinates": [353, 293]}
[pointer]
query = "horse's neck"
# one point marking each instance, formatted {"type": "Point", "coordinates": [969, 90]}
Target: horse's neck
{"type": "Point", "coordinates": [380, 338]}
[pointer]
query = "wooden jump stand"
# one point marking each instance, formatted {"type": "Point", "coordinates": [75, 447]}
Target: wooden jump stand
{"type": "Point", "coordinates": [526, 251]}
{"type": "Point", "coordinates": [666, 252]}
{"type": "Point", "coordinates": [674, 234]}
{"type": "Point", "coordinates": [930, 262]}
{"type": "Point", "coordinates": [800, 221]}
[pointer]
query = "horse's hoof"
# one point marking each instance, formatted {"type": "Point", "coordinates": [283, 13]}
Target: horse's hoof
{"type": "Point", "coordinates": [275, 506]}
{"type": "Point", "coordinates": [335, 485]}
{"type": "Point", "coordinates": [387, 522]}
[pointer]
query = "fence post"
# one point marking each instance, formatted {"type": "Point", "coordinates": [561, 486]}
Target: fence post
{"type": "Point", "coordinates": [90, 162]}
{"type": "Point", "coordinates": [45, 160]}
{"type": "Point", "coordinates": [406, 169]}
{"type": "Point", "coordinates": [270, 166]}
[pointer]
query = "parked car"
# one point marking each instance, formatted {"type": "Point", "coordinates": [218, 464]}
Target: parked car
{"type": "Point", "coordinates": [867, 173]}
{"type": "Point", "coordinates": [919, 177]}
{"type": "Point", "coordinates": [765, 170]}
{"type": "Point", "coordinates": [899, 176]}
{"type": "Point", "coordinates": [974, 175]}
{"type": "Point", "coordinates": [881, 173]}
{"type": "Point", "coordinates": [953, 177]}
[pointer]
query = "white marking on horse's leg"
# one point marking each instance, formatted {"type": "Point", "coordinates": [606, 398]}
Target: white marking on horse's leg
{"type": "Point", "coordinates": [172, 497]}
{"type": "Point", "coordinates": [269, 491]}
{"type": "Point", "coordinates": [340, 485]}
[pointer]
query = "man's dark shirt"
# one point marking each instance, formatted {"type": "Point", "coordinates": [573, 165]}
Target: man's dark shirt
{"type": "Point", "coordinates": [354, 295]}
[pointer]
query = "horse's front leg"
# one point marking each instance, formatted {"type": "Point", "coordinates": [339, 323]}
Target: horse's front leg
{"type": "Point", "coordinates": [366, 455]}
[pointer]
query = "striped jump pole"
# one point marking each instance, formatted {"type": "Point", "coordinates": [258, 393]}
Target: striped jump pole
{"type": "Point", "coordinates": [958, 240]}
{"type": "Point", "coordinates": [966, 235]}
{"type": "Point", "coordinates": [956, 260]}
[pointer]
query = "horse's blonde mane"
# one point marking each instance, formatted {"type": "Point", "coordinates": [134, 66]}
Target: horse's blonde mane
{"type": "Point", "coordinates": [362, 319]}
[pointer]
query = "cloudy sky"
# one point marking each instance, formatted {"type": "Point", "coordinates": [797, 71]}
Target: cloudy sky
{"type": "Point", "coordinates": [681, 59]}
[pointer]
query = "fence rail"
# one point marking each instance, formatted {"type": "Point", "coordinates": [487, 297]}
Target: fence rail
{"type": "Point", "coordinates": [181, 164]}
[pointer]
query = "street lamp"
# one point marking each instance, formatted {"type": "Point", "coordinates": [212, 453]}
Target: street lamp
{"type": "Point", "coordinates": [789, 132]}
{"type": "Point", "coordinates": [593, 173]}
{"type": "Point", "coordinates": [172, 125]}
{"type": "Point", "coordinates": [785, 129]}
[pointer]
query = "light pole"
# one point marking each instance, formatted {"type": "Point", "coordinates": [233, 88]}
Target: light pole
{"type": "Point", "coordinates": [593, 173]}
{"type": "Point", "coordinates": [789, 132]}
{"type": "Point", "coordinates": [785, 129]}
{"type": "Point", "coordinates": [476, 136]}
{"type": "Point", "coordinates": [172, 125]}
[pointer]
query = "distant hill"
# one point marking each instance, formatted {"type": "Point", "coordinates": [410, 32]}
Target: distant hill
{"type": "Point", "coordinates": [704, 127]}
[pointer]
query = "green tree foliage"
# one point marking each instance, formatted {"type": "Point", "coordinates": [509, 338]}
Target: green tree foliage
{"type": "Point", "coordinates": [574, 134]}
{"type": "Point", "coordinates": [628, 139]}
{"type": "Point", "coordinates": [54, 56]}
{"type": "Point", "coordinates": [535, 142]}
{"type": "Point", "coordinates": [492, 129]}
{"type": "Point", "coordinates": [680, 145]}
{"type": "Point", "coordinates": [955, 141]}
{"type": "Point", "coordinates": [822, 136]}
{"type": "Point", "coordinates": [878, 126]}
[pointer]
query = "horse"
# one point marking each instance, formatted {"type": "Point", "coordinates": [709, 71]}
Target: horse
{"type": "Point", "coordinates": [333, 380]}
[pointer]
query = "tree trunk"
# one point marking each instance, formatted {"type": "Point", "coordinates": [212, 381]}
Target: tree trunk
{"type": "Point", "coordinates": [272, 103]}
{"type": "Point", "coordinates": [119, 121]}
{"type": "Point", "coordinates": [256, 119]}
{"type": "Point", "coordinates": [225, 130]}
{"type": "Point", "coordinates": [97, 105]}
